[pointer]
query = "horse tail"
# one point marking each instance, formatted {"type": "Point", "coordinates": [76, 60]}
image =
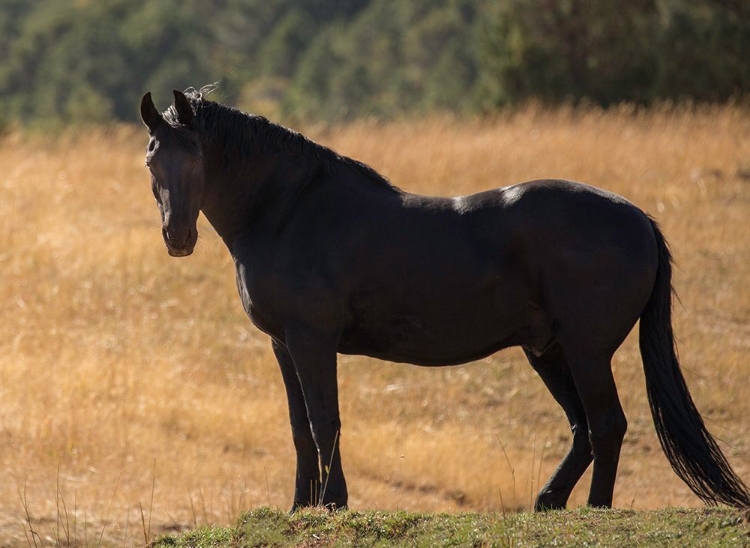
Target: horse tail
{"type": "Point", "coordinates": [693, 453]}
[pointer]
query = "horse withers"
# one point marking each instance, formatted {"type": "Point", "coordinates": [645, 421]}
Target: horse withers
{"type": "Point", "coordinates": [332, 258]}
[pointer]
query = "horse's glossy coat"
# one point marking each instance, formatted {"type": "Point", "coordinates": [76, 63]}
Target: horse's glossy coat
{"type": "Point", "coordinates": [331, 258]}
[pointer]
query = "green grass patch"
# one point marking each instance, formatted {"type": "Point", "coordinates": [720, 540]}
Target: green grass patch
{"type": "Point", "coordinates": [265, 527]}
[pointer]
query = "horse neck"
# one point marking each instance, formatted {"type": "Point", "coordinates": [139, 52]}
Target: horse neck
{"type": "Point", "coordinates": [239, 194]}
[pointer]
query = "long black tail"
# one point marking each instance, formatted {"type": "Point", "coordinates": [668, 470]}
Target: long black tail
{"type": "Point", "coordinates": [690, 448]}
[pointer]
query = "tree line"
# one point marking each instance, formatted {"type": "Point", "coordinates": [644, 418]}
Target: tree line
{"type": "Point", "coordinates": [81, 61]}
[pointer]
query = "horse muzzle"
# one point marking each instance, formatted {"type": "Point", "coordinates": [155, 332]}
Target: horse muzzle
{"type": "Point", "coordinates": [180, 241]}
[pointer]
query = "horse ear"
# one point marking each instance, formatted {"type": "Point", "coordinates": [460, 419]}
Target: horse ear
{"type": "Point", "coordinates": [185, 113]}
{"type": "Point", "coordinates": [149, 114]}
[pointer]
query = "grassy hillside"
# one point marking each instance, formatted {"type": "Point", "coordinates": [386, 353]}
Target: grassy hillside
{"type": "Point", "coordinates": [582, 527]}
{"type": "Point", "coordinates": [135, 394]}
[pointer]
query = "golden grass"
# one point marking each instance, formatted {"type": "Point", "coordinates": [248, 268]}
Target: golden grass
{"type": "Point", "coordinates": [126, 374]}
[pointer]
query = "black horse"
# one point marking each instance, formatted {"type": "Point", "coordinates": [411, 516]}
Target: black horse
{"type": "Point", "coordinates": [331, 258]}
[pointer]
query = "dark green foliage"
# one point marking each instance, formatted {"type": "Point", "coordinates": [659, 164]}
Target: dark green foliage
{"type": "Point", "coordinates": [393, 57]}
{"type": "Point", "coordinates": [569, 50]}
{"type": "Point", "coordinates": [88, 62]}
{"type": "Point", "coordinates": [705, 49]}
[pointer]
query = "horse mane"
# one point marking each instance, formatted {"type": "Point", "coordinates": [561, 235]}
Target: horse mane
{"type": "Point", "coordinates": [236, 133]}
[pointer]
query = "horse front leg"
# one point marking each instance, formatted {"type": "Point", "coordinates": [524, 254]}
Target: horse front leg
{"type": "Point", "coordinates": [314, 357]}
{"type": "Point", "coordinates": [307, 482]}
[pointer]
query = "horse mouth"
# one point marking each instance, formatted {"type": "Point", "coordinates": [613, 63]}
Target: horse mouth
{"type": "Point", "coordinates": [179, 252]}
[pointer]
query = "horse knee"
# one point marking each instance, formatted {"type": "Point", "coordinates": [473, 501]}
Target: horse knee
{"type": "Point", "coordinates": [302, 438]}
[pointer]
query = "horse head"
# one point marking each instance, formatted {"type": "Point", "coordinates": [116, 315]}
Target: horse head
{"type": "Point", "coordinates": [175, 159]}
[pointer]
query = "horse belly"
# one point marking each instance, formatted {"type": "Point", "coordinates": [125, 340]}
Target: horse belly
{"type": "Point", "coordinates": [447, 327]}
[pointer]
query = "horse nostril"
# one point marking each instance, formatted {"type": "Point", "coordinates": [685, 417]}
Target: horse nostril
{"type": "Point", "coordinates": [177, 238]}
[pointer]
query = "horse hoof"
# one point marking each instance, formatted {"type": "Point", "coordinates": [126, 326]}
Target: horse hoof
{"type": "Point", "coordinates": [549, 501]}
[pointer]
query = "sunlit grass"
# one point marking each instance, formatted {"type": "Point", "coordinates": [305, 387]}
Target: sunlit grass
{"type": "Point", "coordinates": [578, 527]}
{"type": "Point", "coordinates": [122, 369]}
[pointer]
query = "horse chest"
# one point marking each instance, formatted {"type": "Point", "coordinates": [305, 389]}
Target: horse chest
{"type": "Point", "coordinates": [262, 313]}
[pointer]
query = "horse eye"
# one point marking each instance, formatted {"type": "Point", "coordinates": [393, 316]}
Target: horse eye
{"type": "Point", "coordinates": [152, 145]}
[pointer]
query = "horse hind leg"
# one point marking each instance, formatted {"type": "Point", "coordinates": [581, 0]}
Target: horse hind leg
{"type": "Point", "coordinates": [556, 375]}
{"type": "Point", "coordinates": [607, 424]}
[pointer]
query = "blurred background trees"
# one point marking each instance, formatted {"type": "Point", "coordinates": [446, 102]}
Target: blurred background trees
{"type": "Point", "coordinates": [86, 61]}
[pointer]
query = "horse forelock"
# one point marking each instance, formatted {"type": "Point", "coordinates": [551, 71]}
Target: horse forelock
{"type": "Point", "coordinates": [196, 98]}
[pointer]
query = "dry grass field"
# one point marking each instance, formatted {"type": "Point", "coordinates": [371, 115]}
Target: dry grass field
{"type": "Point", "coordinates": [136, 397]}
